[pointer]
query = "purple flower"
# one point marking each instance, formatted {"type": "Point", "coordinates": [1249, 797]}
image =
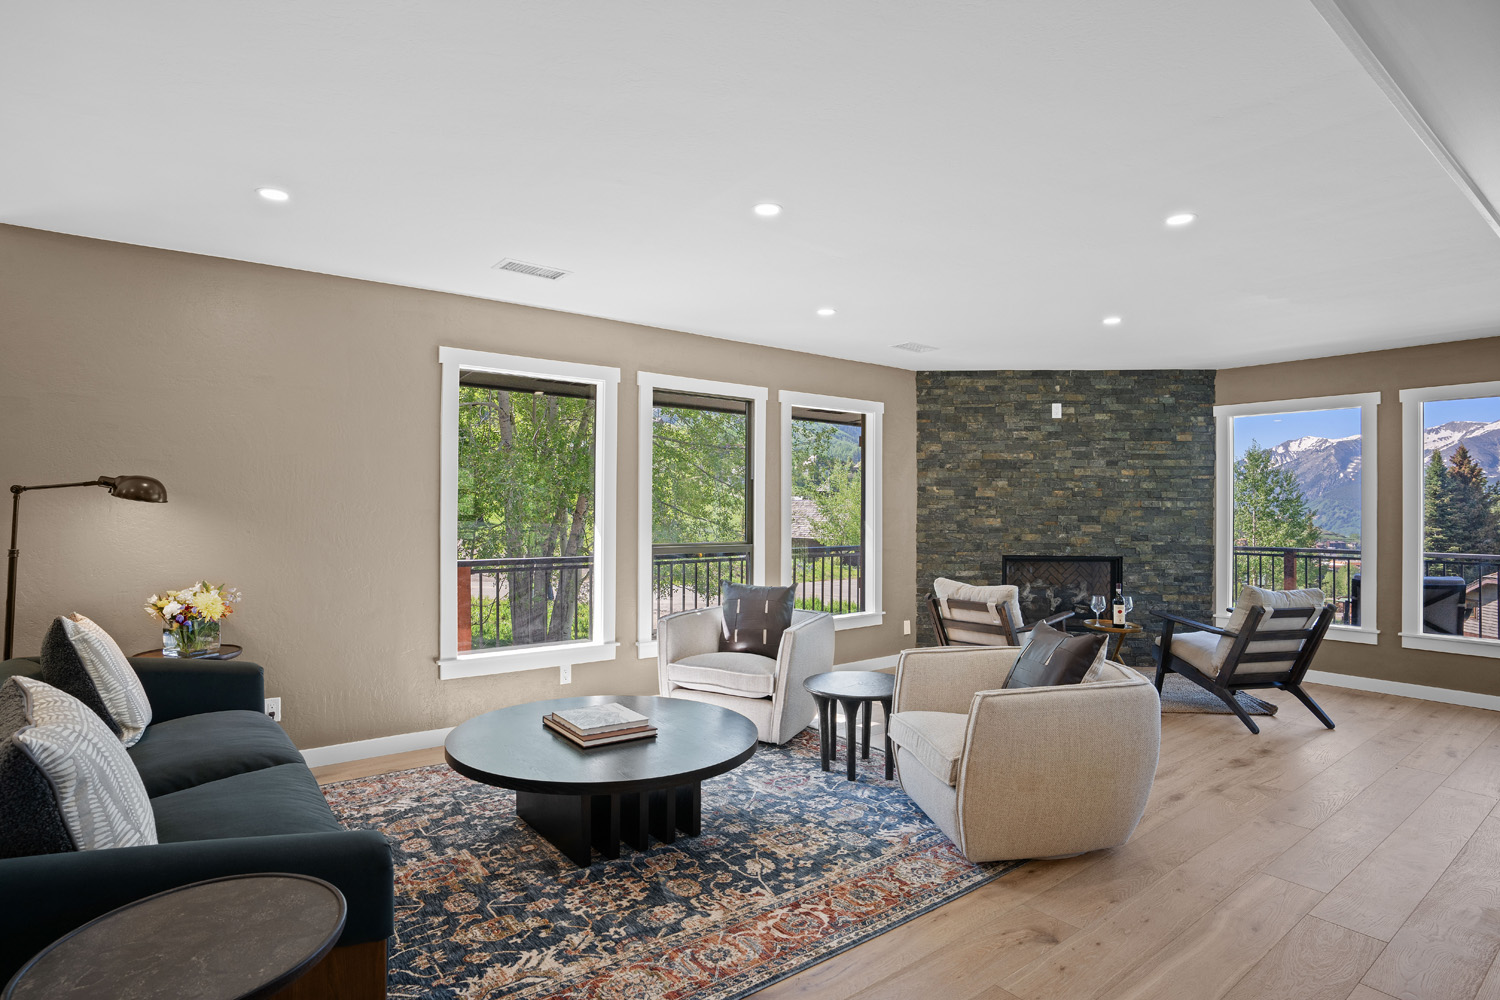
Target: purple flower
{"type": "Point", "coordinates": [179, 619]}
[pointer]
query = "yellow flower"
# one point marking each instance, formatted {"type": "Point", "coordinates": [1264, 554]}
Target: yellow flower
{"type": "Point", "coordinates": [209, 604]}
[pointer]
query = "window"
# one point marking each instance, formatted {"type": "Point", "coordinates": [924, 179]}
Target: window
{"type": "Point", "coordinates": [831, 488]}
{"type": "Point", "coordinates": [1296, 504]}
{"type": "Point", "coordinates": [1451, 472]}
{"type": "Point", "coordinates": [702, 496]}
{"type": "Point", "coordinates": [527, 520]}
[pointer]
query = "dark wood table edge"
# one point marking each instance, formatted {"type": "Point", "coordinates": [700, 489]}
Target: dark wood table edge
{"type": "Point", "coordinates": [260, 993]}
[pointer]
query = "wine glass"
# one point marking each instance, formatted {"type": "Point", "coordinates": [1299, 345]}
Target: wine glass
{"type": "Point", "coordinates": [1098, 603]}
{"type": "Point", "coordinates": [1129, 605]}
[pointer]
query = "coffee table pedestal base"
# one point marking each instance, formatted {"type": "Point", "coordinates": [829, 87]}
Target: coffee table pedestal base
{"type": "Point", "coordinates": [580, 824]}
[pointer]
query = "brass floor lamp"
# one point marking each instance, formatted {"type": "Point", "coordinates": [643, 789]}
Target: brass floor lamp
{"type": "Point", "coordinates": [142, 488]}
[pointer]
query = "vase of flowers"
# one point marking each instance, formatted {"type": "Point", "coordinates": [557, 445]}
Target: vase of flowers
{"type": "Point", "coordinates": [190, 617]}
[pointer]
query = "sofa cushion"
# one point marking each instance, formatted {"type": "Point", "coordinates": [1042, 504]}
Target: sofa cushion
{"type": "Point", "coordinates": [64, 669]}
{"type": "Point", "coordinates": [196, 749]}
{"type": "Point", "coordinates": [33, 824]}
{"type": "Point", "coordinates": [934, 738]}
{"type": "Point", "coordinates": [755, 618]}
{"type": "Point", "coordinates": [264, 803]}
{"type": "Point", "coordinates": [118, 686]}
{"type": "Point", "coordinates": [748, 675]}
{"type": "Point", "coordinates": [1053, 657]}
{"type": "Point", "coordinates": [97, 789]}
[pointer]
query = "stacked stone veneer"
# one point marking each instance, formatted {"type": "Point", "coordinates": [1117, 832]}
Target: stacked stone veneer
{"type": "Point", "coordinates": [1127, 470]}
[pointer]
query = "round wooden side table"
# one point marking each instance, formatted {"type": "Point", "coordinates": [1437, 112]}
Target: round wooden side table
{"type": "Point", "coordinates": [244, 937]}
{"type": "Point", "coordinates": [1116, 633]}
{"type": "Point", "coordinates": [856, 691]}
{"type": "Point", "coordinates": [227, 651]}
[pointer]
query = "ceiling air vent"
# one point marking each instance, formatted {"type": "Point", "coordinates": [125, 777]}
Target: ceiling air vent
{"type": "Point", "coordinates": [535, 270]}
{"type": "Point", "coordinates": [914, 347]}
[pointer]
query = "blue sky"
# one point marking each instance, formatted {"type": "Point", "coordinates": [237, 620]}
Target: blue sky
{"type": "Point", "coordinates": [1273, 428]}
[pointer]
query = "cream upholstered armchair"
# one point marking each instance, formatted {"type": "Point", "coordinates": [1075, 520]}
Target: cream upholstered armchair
{"type": "Point", "coordinates": [767, 692]}
{"type": "Point", "coordinates": [1024, 772]}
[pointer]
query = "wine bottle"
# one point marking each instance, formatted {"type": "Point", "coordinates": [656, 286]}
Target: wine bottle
{"type": "Point", "coordinates": [1117, 606]}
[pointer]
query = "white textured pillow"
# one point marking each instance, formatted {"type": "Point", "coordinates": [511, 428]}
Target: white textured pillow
{"type": "Point", "coordinates": [99, 791]}
{"type": "Point", "coordinates": [118, 686]}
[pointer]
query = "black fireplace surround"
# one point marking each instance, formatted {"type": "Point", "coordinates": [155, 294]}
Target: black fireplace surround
{"type": "Point", "coordinates": [1050, 585]}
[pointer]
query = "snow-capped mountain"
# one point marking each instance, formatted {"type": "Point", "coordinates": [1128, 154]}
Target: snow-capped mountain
{"type": "Point", "coordinates": [1328, 469]}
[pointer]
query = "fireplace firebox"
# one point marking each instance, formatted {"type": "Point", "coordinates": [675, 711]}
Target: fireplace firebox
{"type": "Point", "coordinates": [1050, 585]}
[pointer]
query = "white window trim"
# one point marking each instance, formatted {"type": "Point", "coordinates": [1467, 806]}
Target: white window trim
{"type": "Point", "coordinates": [602, 646]}
{"type": "Point", "coordinates": [1412, 636]}
{"type": "Point", "coordinates": [649, 382]}
{"type": "Point", "coordinates": [874, 542]}
{"type": "Point", "coordinates": [1224, 591]}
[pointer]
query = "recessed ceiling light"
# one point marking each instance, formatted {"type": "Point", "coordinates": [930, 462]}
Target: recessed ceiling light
{"type": "Point", "coordinates": [1111, 321]}
{"type": "Point", "coordinates": [825, 311]}
{"type": "Point", "coordinates": [273, 194]}
{"type": "Point", "coordinates": [767, 210]}
{"type": "Point", "coordinates": [1181, 219]}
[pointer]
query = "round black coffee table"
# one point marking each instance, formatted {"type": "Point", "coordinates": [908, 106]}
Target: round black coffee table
{"type": "Point", "coordinates": [237, 938]}
{"type": "Point", "coordinates": [579, 797]}
{"type": "Point", "coordinates": [856, 691]}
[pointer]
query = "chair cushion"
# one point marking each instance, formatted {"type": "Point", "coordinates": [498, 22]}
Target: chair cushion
{"type": "Point", "coordinates": [1271, 600]}
{"type": "Point", "coordinates": [97, 789]}
{"type": "Point", "coordinates": [264, 803]}
{"type": "Point", "coordinates": [936, 739]}
{"type": "Point", "coordinates": [1053, 657]}
{"type": "Point", "coordinates": [755, 617]}
{"type": "Point", "coordinates": [1197, 650]}
{"type": "Point", "coordinates": [748, 675]}
{"type": "Point", "coordinates": [196, 749]}
{"type": "Point", "coordinates": [1004, 595]}
{"type": "Point", "coordinates": [106, 676]}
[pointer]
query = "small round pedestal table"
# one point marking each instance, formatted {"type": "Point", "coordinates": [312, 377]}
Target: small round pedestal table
{"type": "Point", "coordinates": [856, 691]}
{"type": "Point", "coordinates": [1116, 633]}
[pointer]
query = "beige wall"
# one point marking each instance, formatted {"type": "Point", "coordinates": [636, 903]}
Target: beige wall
{"type": "Point", "coordinates": [1386, 372]}
{"type": "Point", "coordinates": [294, 420]}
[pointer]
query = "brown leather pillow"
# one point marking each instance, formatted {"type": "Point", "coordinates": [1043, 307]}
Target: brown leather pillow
{"type": "Point", "coordinates": [755, 617]}
{"type": "Point", "coordinates": [1052, 658]}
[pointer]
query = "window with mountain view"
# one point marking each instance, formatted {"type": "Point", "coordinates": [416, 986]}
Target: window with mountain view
{"type": "Point", "coordinates": [1296, 495]}
{"type": "Point", "coordinates": [828, 510]}
{"type": "Point", "coordinates": [1460, 510]}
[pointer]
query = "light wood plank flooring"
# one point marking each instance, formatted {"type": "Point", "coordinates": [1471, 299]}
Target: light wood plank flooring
{"type": "Point", "coordinates": [1361, 863]}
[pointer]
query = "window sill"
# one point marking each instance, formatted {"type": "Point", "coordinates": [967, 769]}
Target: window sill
{"type": "Point", "coordinates": [1349, 633]}
{"type": "Point", "coordinates": [509, 661]}
{"type": "Point", "coordinates": [858, 619]}
{"type": "Point", "coordinates": [646, 650]}
{"type": "Point", "coordinates": [1451, 644]}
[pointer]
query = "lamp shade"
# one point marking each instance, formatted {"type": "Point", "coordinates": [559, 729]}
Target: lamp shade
{"type": "Point", "coordinates": [142, 488]}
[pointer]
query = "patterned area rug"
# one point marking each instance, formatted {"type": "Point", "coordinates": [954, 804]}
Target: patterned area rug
{"type": "Point", "coordinates": [1178, 694]}
{"type": "Point", "coordinates": [794, 865]}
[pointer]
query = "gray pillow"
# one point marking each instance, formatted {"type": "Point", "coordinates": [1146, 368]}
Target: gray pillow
{"type": "Point", "coordinates": [1053, 657]}
{"type": "Point", "coordinates": [33, 822]}
{"type": "Point", "coordinates": [755, 617]}
{"type": "Point", "coordinates": [64, 669]}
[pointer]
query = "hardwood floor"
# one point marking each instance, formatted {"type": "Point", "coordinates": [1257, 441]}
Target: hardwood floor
{"type": "Point", "coordinates": [1361, 863]}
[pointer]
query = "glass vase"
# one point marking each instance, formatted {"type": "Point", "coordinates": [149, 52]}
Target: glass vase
{"type": "Point", "coordinates": [191, 638]}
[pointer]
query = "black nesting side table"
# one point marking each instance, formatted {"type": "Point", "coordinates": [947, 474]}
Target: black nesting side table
{"type": "Point", "coordinates": [856, 691]}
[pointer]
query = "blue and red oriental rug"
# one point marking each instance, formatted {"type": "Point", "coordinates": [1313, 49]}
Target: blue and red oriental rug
{"type": "Point", "coordinates": [794, 865]}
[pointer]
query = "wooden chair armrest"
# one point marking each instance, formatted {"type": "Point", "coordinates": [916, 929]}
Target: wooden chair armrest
{"type": "Point", "coordinates": [1047, 621]}
{"type": "Point", "coordinates": [1167, 616]}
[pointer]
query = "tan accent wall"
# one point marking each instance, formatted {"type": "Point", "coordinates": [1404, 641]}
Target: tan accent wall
{"type": "Point", "coordinates": [294, 419]}
{"type": "Point", "coordinates": [1386, 372]}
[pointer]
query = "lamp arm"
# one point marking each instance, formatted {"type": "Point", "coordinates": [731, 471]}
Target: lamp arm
{"type": "Point", "coordinates": [15, 553]}
{"type": "Point", "coordinates": [58, 486]}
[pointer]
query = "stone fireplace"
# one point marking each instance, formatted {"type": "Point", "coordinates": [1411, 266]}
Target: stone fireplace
{"type": "Point", "coordinates": [1051, 585]}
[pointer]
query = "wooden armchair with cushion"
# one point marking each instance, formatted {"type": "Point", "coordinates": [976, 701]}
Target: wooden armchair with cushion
{"type": "Point", "coordinates": [1024, 772]}
{"type": "Point", "coordinates": [1269, 643]}
{"type": "Point", "coordinates": [967, 615]}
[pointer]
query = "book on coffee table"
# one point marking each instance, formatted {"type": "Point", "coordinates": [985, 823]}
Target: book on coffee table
{"type": "Point", "coordinates": [595, 720]}
{"type": "Point", "coordinates": [641, 732]}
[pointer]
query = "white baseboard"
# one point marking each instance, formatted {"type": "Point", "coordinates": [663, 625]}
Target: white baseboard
{"type": "Point", "coordinates": [874, 663]}
{"type": "Point", "coordinates": [340, 753]}
{"type": "Point", "coordinates": [1447, 696]}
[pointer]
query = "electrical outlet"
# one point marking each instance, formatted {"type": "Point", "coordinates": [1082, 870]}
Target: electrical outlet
{"type": "Point", "coordinates": [565, 674]}
{"type": "Point", "coordinates": [906, 627]}
{"type": "Point", "coordinates": [1056, 411]}
{"type": "Point", "coordinates": [273, 708]}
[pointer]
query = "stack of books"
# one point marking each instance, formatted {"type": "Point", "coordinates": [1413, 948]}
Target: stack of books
{"type": "Point", "coordinates": [599, 725]}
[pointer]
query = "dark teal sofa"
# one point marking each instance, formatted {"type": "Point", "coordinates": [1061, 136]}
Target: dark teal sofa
{"type": "Point", "coordinates": [231, 794]}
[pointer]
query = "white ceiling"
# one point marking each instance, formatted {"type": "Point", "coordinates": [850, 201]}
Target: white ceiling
{"type": "Point", "coordinates": [987, 177]}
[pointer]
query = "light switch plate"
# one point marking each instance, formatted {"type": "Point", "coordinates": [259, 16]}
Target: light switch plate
{"type": "Point", "coordinates": [1056, 411]}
